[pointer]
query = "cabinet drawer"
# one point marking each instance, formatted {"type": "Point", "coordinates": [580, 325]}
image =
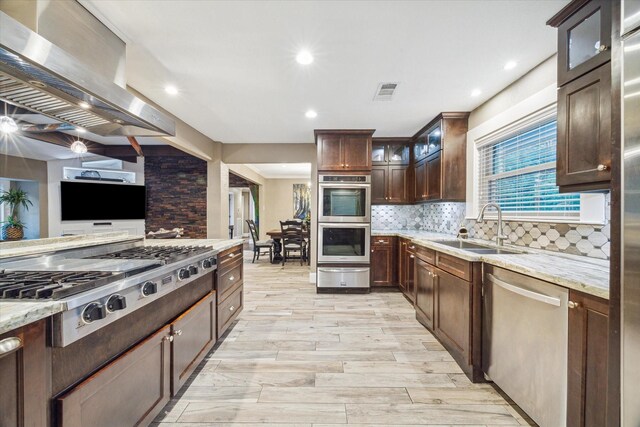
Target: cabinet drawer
{"type": "Point", "coordinates": [194, 334]}
{"type": "Point", "coordinates": [228, 257]}
{"type": "Point", "coordinates": [382, 240]}
{"type": "Point", "coordinates": [426, 254]}
{"type": "Point", "coordinates": [229, 309]}
{"type": "Point", "coordinates": [129, 391]}
{"type": "Point", "coordinates": [228, 279]}
{"type": "Point", "coordinates": [456, 266]}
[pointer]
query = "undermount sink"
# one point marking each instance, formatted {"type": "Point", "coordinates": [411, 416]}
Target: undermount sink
{"type": "Point", "coordinates": [476, 248]}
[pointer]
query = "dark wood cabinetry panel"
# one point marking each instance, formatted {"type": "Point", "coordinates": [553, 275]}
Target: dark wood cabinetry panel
{"type": "Point", "coordinates": [382, 264]}
{"type": "Point", "coordinates": [397, 184]}
{"type": "Point", "coordinates": [228, 279]}
{"type": "Point", "coordinates": [357, 152]}
{"type": "Point", "coordinates": [453, 311]}
{"type": "Point", "coordinates": [410, 285]}
{"type": "Point", "coordinates": [425, 292]}
{"type": "Point", "coordinates": [379, 184]}
{"type": "Point", "coordinates": [584, 39]}
{"type": "Point", "coordinates": [420, 193]}
{"type": "Point", "coordinates": [434, 177]}
{"type": "Point", "coordinates": [588, 361]}
{"type": "Point", "coordinates": [194, 334]}
{"type": "Point", "coordinates": [330, 156]}
{"type": "Point", "coordinates": [584, 132]}
{"type": "Point", "coordinates": [229, 309]}
{"type": "Point", "coordinates": [25, 386]}
{"type": "Point", "coordinates": [129, 391]}
{"type": "Point", "coordinates": [402, 264]}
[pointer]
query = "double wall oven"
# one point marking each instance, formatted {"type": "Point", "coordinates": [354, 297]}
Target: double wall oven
{"type": "Point", "coordinates": [344, 232]}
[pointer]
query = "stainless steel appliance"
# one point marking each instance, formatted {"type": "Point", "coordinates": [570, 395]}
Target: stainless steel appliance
{"type": "Point", "coordinates": [630, 236]}
{"type": "Point", "coordinates": [344, 243]}
{"type": "Point", "coordinates": [102, 284]}
{"type": "Point", "coordinates": [343, 277]}
{"type": "Point", "coordinates": [37, 75]}
{"type": "Point", "coordinates": [524, 348]}
{"type": "Point", "coordinates": [344, 198]}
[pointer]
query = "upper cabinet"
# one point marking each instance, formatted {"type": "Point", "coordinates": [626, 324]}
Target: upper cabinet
{"type": "Point", "coordinates": [584, 95]}
{"type": "Point", "coordinates": [344, 150]}
{"type": "Point", "coordinates": [440, 152]}
{"type": "Point", "coordinates": [391, 151]}
{"type": "Point", "coordinates": [390, 173]}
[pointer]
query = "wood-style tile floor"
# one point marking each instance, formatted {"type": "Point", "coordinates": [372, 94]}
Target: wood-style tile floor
{"type": "Point", "coordinates": [296, 358]}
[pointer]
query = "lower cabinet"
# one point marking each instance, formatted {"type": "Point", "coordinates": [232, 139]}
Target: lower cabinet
{"type": "Point", "coordinates": [383, 261]}
{"type": "Point", "coordinates": [194, 334]}
{"type": "Point", "coordinates": [425, 292]}
{"type": "Point", "coordinates": [452, 314]}
{"type": "Point", "coordinates": [229, 285]}
{"type": "Point", "coordinates": [229, 309]}
{"type": "Point", "coordinates": [588, 360]}
{"type": "Point", "coordinates": [24, 380]}
{"type": "Point", "coordinates": [129, 391]}
{"type": "Point", "coordinates": [406, 270]}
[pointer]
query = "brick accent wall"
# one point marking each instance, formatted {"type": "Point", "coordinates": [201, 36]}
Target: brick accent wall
{"type": "Point", "coordinates": [176, 194]}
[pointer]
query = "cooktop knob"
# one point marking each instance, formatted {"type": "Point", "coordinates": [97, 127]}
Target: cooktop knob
{"type": "Point", "coordinates": [149, 288]}
{"type": "Point", "coordinates": [193, 270]}
{"type": "Point", "coordinates": [206, 263]}
{"type": "Point", "coordinates": [94, 311]}
{"type": "Point", "coordinates": [116, 302]}
{"type": "Point", "coordinates": [183, 274]}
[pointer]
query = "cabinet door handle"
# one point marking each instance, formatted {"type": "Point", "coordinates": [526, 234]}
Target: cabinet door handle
{"type": "Point", "coordinates": [178, 332]}
{"type": "Point", "coordinates": [603, 47]}
{"type": "Point", "coordinates": [232, 255]}
{"type": "Point", "coordinates": [412, 247]}
{"type": "Point", "coordinates": [9, 345]}
{"type": "Point", "coordinates": [371, 250]}
{"type": "Point", "coordinates": [232, 278]}
{"type": "Point", "coordinates": [573, 304]}
{"type": "Point", "coordinates": [411, 256]}
{"type": "Point", "coordinates": [168, 338]}
{"type": "Point", "coordinates": [602, 168]}
{"type": "Point", "coordinates": [347, 166]}
{"type": "Point", "coordinates": [232, 308]}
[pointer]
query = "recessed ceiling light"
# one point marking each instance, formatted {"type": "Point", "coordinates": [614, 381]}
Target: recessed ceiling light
{"type": "Point", "coordinates": [476, 92]}
{"type": "Point", "coordinates": [84, 105]}
{"type": "Point", "coordinates": [304, 57]}
{"type": "Point", "coordinates": [8, 125]}
{"type": "Point", "coordinates": [78, 147]}
{"type": "Point", "coordinates": [510, 65]}
{"type": "Point", "coordinates": [311, 114]}
{"type": "Point", "coordinates": [171, 90]}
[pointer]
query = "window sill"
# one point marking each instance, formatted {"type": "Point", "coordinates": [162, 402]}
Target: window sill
{"type": "Point", "coordinates": [543, 220]}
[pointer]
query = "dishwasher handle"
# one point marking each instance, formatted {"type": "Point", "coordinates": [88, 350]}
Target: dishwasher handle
{"type": "Point", "coordinates": [525, 292]}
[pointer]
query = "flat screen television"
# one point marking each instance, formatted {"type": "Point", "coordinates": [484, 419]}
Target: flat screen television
{"type": "Point", "coordinates": [81, 201]}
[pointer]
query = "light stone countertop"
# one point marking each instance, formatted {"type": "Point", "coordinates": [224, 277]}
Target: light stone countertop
{"type": "Point", "coordinates": [15, 314]}
{"type": "Point", "coordinates": [588, 275]}
{"type": "Point", "coordinates": [52, 244]}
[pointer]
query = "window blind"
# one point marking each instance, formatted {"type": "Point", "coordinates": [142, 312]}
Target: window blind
{"type": "Point", "coordinates": [518, 172]}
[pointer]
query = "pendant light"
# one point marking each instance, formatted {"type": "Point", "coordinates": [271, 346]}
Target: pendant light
{"type": "Point", "coordinates": [78, 147]}
{"type": "Point", "coordinates": [7, 125]}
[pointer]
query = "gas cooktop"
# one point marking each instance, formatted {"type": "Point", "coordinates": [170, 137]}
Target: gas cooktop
{"type": "Point", "coordinates": [166, 254]}
{"type": "Point", "coordinates": [44, 285]}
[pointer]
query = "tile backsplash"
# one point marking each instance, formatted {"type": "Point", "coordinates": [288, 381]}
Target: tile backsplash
{"type": "Point", "coordinates": [578, 239]}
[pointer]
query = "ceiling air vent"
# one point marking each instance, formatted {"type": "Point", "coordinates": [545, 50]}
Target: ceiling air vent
{"type": "Point", "coordinates": [385, 91]}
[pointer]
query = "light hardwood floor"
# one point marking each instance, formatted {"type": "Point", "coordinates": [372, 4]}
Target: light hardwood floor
{"type": "Point", "coordinates": [296, 358]}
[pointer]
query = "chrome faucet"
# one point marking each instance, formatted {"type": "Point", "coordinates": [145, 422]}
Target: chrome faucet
{"type": "Point", "coordinates": [499, 237]}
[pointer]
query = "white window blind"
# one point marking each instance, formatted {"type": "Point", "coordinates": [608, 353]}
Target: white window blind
{"type": "Point", "coordinates": [518, 172]}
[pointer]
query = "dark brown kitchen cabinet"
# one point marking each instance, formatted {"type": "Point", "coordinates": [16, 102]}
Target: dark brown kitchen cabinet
{"type": "Point", "coordinates": [585, 90]}
{"type": "Point", "coordinates": [389, 184]}
{"type": "Point", "coordinates": [448, 303]}
{"type": "Point", "coordinates": [584, 38]}
{"type": "Point", "coordinates": [584, 132]}
{"type": "Point", "coordinates": [407, 272]}
{"type": "Point", "coordinates": [229, 287]}
{"type": "Point", "coordinates": [425, 292]}
{"type": "Point", "coordinates": [391, 151]}
{"type": "Point", "coordinates": [588, 360]}
{"type": "Point", "coordinates": [344, 150]}
{"type": "Point", "coordinates": [440, 153]}
{"type": "Point", "coordinates": [379, 184]}
{"type": "Point", "coordinates": [129, 391]}
{"type": "Point", "coordinates": [194, 334]}
{"type": "Point", "coordinates": [383, 261]}
{"type": "Point", "coordinates": [24, 379]}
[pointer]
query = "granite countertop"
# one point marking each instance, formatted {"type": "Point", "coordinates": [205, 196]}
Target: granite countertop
{"type": "Point", "coordinates": [15, 314]}
{"type": "Point", "coordinates": [52, 244]}
{"type": "Point", "coordinates": [218, 245]}
{"type": "Point", "coordinates": [588, 275]}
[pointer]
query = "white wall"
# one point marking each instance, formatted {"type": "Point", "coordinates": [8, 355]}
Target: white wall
{"type": "Point", "coordinates": [57, 227]}
{"type": "Point", "coordinates": [279, 201]}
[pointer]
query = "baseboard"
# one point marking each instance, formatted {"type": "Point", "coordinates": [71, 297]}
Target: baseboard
{"type": "Point", "coordinates": [312, 277]}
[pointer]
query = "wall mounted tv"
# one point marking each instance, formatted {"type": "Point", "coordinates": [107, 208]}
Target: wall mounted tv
{"type": "Point", "coordinates": [81, 201]}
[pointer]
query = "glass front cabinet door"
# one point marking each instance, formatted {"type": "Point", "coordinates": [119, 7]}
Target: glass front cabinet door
{"type": "Point", "coordinates": [584, 41]}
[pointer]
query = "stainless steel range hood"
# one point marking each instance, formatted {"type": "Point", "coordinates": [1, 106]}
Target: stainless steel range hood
{"type": "Point", "coordinates": [40, 76]}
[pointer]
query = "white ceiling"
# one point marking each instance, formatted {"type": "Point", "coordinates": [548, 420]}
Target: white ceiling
{"type": "Point", "coordinates": [282, 170]}
{"type": "Point", "coordinates": [234, 61]}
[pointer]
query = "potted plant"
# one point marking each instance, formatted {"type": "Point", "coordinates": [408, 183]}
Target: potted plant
{"type": "Point", "coordinates": [13, 228]}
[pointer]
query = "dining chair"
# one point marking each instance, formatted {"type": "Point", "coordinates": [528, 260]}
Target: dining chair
{"type": "Point", "coordinates": [259, 245]}
{"type": "Point", "coordinates": [292, 240]}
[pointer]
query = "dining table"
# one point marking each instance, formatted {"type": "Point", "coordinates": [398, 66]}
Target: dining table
{"type": "Point", "coordinates": [276, 236]}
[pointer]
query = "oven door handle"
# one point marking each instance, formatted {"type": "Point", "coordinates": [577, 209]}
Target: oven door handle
{"type": "Point", "coordinates": [343, 270]}
{"type": "Point", "coordinates": [342, 185]}
{"type": "Point", "coordinates": [343, 225]}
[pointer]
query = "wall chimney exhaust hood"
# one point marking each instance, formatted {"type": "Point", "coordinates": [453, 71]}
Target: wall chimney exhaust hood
{"type": "Point", "coordinates": [41, 77]}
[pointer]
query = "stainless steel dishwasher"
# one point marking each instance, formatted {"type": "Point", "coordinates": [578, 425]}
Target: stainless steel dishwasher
{"type": "Point", "coordinates": [524, 343]}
